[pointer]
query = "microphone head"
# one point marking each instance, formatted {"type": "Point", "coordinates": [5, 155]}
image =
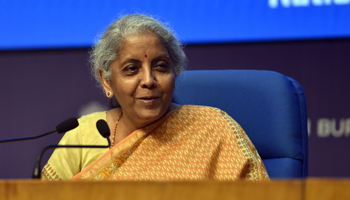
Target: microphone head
{"type": "Point", "coordinates": [67, 125]}
{"type": "Point", "coordinates": [103, 128]}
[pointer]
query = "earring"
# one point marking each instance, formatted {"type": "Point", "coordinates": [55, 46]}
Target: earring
{"type": "Point", "coordinates": [109, 94]}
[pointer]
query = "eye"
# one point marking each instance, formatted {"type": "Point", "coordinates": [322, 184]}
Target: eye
{"type": "Point", "coordinates": [131, 69]}
{"type": "Point", "coordinates": [161, 66]}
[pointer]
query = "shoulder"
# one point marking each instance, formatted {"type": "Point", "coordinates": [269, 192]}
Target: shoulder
{"type": "Point", "coordinates": [207, 114]}
{"type": "Point", "coordinates": [211, 116]}
{"type": "Point", "coordinates": [206, 110]}
{"type": "Point", "coordinates": [87, 123]}
{"type": "Point", "coordinates": [87, 126]}
{"type": "Point", "coordinates": [88, 119]}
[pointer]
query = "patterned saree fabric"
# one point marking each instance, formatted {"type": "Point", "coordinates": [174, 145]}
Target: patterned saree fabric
{"type": "Point", "coordinates": [190, 143]}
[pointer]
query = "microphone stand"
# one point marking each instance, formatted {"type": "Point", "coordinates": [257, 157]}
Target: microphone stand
{"type": "Point", "coordinates": [64, 126]}
{"type": "Point", "coordinates": [26, 138]}
{"type": "Point", "coordinates": [37, 168]}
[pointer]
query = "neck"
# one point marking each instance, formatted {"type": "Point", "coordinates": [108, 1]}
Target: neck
{"type": "Point", "coordinates": [133, 125]}
{"type": "Point", "coordinates": [127, 124]}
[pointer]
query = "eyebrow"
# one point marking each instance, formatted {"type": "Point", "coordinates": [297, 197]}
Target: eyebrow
{"type": "Point", "coordinates": [139, 61]}
{"type": "Point", "coordinates": [130, 60]}
{"type": "Point", "coordinates": [162, 56]}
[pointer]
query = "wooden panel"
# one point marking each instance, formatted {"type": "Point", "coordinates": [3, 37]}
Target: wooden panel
{"type": "Point", "coordinates": [14, 190]}
{"type": "Point", "coordinates": [310, 189]}
{"type": "Point", "coordinates": [322, 189]}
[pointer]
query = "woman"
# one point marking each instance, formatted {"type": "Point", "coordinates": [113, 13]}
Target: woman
{"type": "Point", "coordinates": [136, 62]}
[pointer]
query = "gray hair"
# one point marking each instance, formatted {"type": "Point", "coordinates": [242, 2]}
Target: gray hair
{"type": "Point", "coordinates": [107, 49]}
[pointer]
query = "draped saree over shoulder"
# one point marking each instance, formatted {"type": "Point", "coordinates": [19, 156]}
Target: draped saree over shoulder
{"type": "Point", "coordinates": [190, 143]}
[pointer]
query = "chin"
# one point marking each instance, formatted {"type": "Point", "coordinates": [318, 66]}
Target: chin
{"type": "Point", "coordinates": [152, 115]}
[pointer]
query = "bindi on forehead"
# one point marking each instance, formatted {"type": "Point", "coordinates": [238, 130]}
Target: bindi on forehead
{"type": "Point", "coordinates": [145, 55]}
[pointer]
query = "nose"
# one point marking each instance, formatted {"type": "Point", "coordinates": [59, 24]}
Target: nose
{"type": "Point", "coordinates": [148, 80]}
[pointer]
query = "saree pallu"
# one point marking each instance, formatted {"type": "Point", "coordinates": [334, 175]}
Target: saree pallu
{"type": "Point", "coordinates": [190, 143]}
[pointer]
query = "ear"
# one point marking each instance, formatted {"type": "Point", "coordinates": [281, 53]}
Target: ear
{"type": "Point", "coordinates": [105, 83]}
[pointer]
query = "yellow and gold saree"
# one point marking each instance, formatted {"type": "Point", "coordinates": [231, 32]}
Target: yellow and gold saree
{"type": "Point", "coordinates": [190, 143]}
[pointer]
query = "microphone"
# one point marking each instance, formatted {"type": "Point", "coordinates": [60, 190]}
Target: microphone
{"type": "Point", "coordinates": [102, 128]}
{"type": "Point", "coordinates": [63, 127]}
{"type": "Point", "coordinates": [67, 125]}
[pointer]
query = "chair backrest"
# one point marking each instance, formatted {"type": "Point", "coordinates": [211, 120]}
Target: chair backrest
{"type": "Point", "coordinates": [269, 106]}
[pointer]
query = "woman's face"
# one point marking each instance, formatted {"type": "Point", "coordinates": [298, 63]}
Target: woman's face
{"type": "Point", "coordinates": [143, 79]}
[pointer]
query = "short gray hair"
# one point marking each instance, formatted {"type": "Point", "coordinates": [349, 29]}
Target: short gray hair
{"type": "Point", "coordinates": [107, 49]}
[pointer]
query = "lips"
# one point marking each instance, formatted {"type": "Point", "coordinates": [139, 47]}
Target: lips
{"type": "Point", "coordinates": [148, 98]}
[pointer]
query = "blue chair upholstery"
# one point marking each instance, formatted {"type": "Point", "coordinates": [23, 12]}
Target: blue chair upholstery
{"type": "Point", "coordinates": [269, 106]}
